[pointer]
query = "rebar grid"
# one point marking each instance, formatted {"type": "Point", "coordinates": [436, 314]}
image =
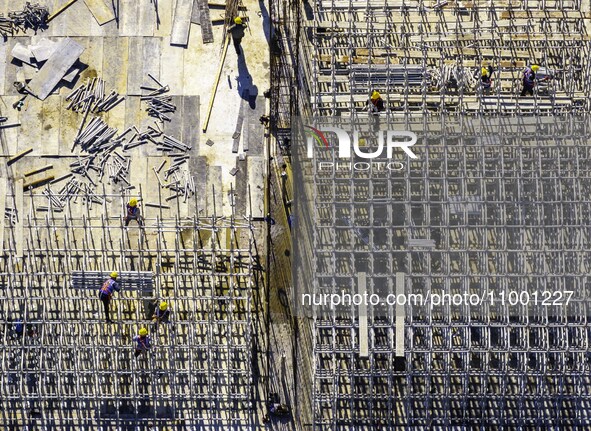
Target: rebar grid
{"type": "Point", "coordinates": [490, 205]}
{"type": "Point", "coordinates": [77, 371]}
{"type": "Point", "coordinates": [426, 56]}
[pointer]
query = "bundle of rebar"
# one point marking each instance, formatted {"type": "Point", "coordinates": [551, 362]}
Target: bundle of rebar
{"type": "Point", "coordinates": [158, 105]}
{"type": "Point", "coordinates": [142, 137]}
{"type": "Point", "coordinates": [118, 168]}
{"type": "Point", "coordinates": [97, 136]}
{"type": "Point", "coordinates": [6, 26]}
{"type": "Point", "coordinates": [181, 183]}
{"type": "Point", "coordinates": [33, 16]}
{"type": "Point", "coordinates": [92, 96]}
{"type": "Point", "coordinates": [169, 143]}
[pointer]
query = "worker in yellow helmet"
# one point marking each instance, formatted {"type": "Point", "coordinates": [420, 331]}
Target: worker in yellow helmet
{"type": "Point", "coordinates": [236, 30]}
{"type": "Point", "coordinates": [161, 314]}
{"type": "Point", "coordinates": [106, 292]}
{"type": "Point", "coordinates": [376, 103]}
{"type": "Point", "coordinates": [133, 212]}
{"type": "Point", "coordinates": [486, 78]}
{"type": "Point", "coordinates": [142, 342]}
{"type": "Point", "coordinates": [530, 79]}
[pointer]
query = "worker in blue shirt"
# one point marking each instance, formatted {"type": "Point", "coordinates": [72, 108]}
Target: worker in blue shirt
{"type": "Point", "coordinates": [142, 342]}
{"type": "Point", "coordinates": [106, 292]}
{"type": "Point", "coordinates": [133, 212]}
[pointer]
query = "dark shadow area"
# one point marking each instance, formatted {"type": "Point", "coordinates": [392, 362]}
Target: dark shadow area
{"type": "Point", "coordinates": [308, 11]}
{"type": "Point", "coordinates": [266, 20]}
{"type": "Point", "coordinates": [247, 90]}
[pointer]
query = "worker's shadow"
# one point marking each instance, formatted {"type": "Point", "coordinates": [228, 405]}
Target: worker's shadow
{"type": "Point", "coordinates": [247, 90]}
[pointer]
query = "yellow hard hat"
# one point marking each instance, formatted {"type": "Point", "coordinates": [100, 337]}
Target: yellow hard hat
{"type": "Point", "coordinates": [535, 68]}
{"type": "Point", "coordinates": [143, 332]}
{"type": "Point", "coordinates": [163, 305]}
{"type": "Point", "coordinates": [238, 20]}
{"type": "Point", "coordinates": [133, 202]}
{"type": "Point", "coordinates": [114, 274]}
{"type": "Point", "coordinates": [484, 71]}
{"type": "Point", "coordinates": [375, 95]}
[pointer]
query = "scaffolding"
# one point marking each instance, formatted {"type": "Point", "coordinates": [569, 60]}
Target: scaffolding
{"type": "Point", "coordinates": [65, 368]}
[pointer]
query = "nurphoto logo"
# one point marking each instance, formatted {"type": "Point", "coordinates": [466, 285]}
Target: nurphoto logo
{"type": "Point", "coordinates": [368, 147]}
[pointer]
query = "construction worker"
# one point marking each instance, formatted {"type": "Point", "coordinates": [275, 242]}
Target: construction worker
{"type": "Point", "coordinates": [142, 342]}
{"type": "Point", "coordinates": [133, 212]}
{"type": "Point", "coordinates": [106, 292]}
{"type": "Point", "coordinates": [529, 79]}
{"type": "Point", "coordinates": [237, 32]}
{"type": "Point", "coordinates": [376, 103]}
{"type": "Point", "coordinates": [161, 314]}
{"type": "Point", "coordinates": [485, 78]}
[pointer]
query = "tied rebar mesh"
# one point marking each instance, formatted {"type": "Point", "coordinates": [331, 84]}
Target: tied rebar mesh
{"type": "Point", "coordinates": [489, 206]}
{"type": "Point", "coordinates": [65, 368]}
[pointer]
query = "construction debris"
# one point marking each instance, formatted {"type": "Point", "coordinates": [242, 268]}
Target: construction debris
{"type": "Point", "coordinates": [158, 105]}
{"type": "Point", "coordinates": [65, 54]}
{"type": "Point", "coordinates": [92, 95]}
{"type": "Point", "coordinates": [97, 136]}
{"type": "Point", "coordinates": [33, 17]}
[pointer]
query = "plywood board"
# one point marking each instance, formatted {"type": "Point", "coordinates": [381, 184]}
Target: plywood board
{"type": "Point", "coordinates": [100, 11]}
{"type": "Point", "coordinates": [172, 67]}
{"type": "Point", "coordinates": [64, 57]}
{"type": "Point", "coordinates": [181, 24]}
{"type": "Point", "coordinates": [190, 122]}
{"type": "Point", "coordinates": [135, 71]}
{"type": "Point", "coordinates": [256, 178]}
{"type": "Point", "coordinates": [115, 63]}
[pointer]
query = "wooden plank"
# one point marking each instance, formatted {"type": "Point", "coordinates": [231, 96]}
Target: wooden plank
{"type": "Point", "coordinates": [215, 85]}
{"type": "Point", "coordinates": [100, 11]}
{"type": "Point", "coordinates": [256, 168]}
{"type": "Point", "coordinates": [20, 222]}
{"type": "Point", "coordinates": [115, 63]}
{"type": "Point", "coordinates": [18, 156]}
{"type": "Point", "coordinates": [196, 16]}
{"type": "Point", "coordinates": [363, 331]}
{"type": "Point", "coordinates": [190, 122]}
{"type": "Point", "coordinates": [182, 23]}
{"type": "Point", "coordinates": [172, 67]}
{"type": "Point", "coordinates": [135, 73]}
{"type": "Point", "coordinates": [151, 53]}
{"type": "Point", "coordinates": [163, 26]}
{"type": "Point", "coordinates": [60, 10]}
{"type": "Point", "coordinates": [51, 73]}
{"type": "Point", "coordinates": [2, 212]}
{"type": "Point", "coordinates": [205, 20]}
{"type": "Point", "coordinates": [400, 315]}
{"type": "Point", "coordinates": [129, 17]}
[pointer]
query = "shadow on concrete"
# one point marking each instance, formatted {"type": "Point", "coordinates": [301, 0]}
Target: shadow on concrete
{"type": "Point", "coordinates": [247, 90]}
{"type": "Point", "coordinates": [266, 20]}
